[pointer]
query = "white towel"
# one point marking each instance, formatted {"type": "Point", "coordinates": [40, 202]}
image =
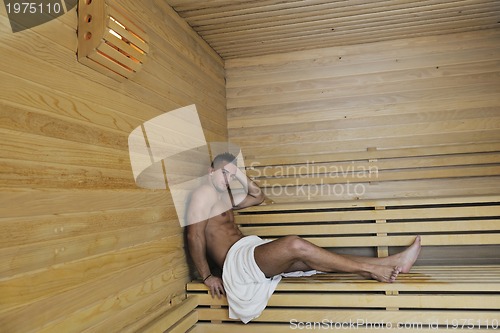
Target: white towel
{"type": "Point", "coordinates": [301, 273]}
{"type": "Point", "coordinates": [247, 288]}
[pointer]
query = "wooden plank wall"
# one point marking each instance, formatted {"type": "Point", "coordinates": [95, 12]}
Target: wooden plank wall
{"type": "Point", "coordinates": [440, 92]}
{"type": "Point", "coordinates": [82, 249]}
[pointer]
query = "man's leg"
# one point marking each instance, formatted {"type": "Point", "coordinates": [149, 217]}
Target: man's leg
{"type": "Point", "coordinates": [293, 253]}
{"type": "Point", "coordinates": [404, 259]}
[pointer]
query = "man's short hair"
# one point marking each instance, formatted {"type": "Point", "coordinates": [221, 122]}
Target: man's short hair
{"type": "Point", "coordinates": [224, 157]}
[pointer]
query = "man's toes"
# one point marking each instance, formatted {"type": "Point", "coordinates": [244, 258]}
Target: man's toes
{"type": "Point", "coordinates": [395, 273]}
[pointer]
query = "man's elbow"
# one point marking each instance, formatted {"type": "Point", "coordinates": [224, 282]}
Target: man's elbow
{"type": "Point", "coordinates": [192, 234]}
{"type": "Point", "coordinates": [260, 198]}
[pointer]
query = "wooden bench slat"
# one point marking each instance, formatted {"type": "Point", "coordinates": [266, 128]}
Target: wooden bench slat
{"type": "Point", "coordinates": [405, 281]}
{"type": "Point", "coordinates": [173, 316]}
{"type": "Point", "coordinates": [429, 285]}
{"type": "Point", "coordinates": [386, 214]}
{"type": "Point", "coordinates": [484, 278]}
{"type": "Point", "coordinates": [371, 228]}
{"type": "Point", "coordinates": [285, 328]}
{"type": "Point", "coordinates": [438, 173]}
{"type": "Point", "coordinates": [312, 168]}
{"type": "Point", "coordinates": [461, 268]}
{"type": "Point", "coordinates": [314, 205]}
{"type": "Point", "coordinates": [413, 278]}
{"type": "Point", "coordinates": [374, 154]}
{"type": "Point", "coordinates": [231, 328]}
{"type": "Point", "coordinates": [346, 300]}
{"type": "Point", "coordinates": [343, 315]}
{"type": "Point", "coordinates": [427, 240]}
{"type": "Point", "coordinates": [183, 325]}
{"type": "Point", "coordinates": [481, 285]}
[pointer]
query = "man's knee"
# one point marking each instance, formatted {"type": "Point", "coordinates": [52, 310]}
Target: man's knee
{"type": "Point", "coordinates": [297, 245]}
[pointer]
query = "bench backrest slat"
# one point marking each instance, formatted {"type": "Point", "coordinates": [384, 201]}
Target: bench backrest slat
{"type": "Point", "coordinates": [373, 228]}
{"type": "Point", "coordinates": [447, 222]}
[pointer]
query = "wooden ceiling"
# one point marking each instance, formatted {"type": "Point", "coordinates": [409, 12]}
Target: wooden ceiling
{"type": "Point", "coordinates": [241, 28]}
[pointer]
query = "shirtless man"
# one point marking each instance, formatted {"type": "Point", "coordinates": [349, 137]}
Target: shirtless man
{"type": "Point", "coordinates": [211, 231]}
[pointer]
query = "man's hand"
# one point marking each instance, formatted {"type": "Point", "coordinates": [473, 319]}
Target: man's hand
{"type": "Point", "coordinates": [215, 285]}
{"type": "Point", "coordinates": [267, 201]}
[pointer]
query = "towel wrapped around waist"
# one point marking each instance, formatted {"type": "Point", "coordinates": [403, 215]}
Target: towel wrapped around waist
{"type": "Point", "coordinates": [247, 288]}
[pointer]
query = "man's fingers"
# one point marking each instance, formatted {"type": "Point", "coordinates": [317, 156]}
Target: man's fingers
{"type": "Point", "coordinates": [223, 292]}
{"type": "Point", "coordinates": [220, 291]}
{"type": "Point", "coordinates": [217, 290]}
{"type": "Point", "coordinates": [212, 291]}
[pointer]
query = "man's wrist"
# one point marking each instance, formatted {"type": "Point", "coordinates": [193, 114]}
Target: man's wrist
{"type": "Point", "coordinates": [241, 177]}
{"type": "Point", "coordinates": [209, 275]}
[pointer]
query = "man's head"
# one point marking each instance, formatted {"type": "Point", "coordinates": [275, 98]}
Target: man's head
{"type": "Point", "coordinates": [223, 159]}
{"type": "Point", "coordinates": [220, 174]}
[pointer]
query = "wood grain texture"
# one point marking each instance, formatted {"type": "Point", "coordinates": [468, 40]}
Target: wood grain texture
{"type": "Point", "coordinates": [84, 250]}
{"type": "Point", "coordinates": [237, 29]}
{"type": "Point", "coordinates": [358, 107]}
{"type": "Point", "coordinates": [80, 242]}
{"type": "Point", "coordinates": [425, 296]}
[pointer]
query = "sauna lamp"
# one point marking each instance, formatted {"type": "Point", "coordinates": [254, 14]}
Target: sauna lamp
{"type": "Point", "coordinates": [110, 40]}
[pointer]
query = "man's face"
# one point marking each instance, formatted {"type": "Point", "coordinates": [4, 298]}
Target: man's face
{"type": "Point", "coordinates": [222, 174]}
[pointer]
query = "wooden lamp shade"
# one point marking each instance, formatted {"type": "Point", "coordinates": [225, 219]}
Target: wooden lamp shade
{"type": "Point", "coordinates": [109, 41]}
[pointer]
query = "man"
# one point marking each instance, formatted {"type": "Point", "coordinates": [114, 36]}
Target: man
{"type": "Point", "coordinates": [252, 266]}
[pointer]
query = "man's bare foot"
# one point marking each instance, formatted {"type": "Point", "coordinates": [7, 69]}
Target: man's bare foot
{"type": "Point", "coordinates": [390, 267]}
{"type": "Point", "coordinates": [382, 273]}
{"type": "Point", "coordinates": [407, 258]}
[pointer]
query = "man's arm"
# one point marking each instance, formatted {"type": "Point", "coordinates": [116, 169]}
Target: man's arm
{"type": "Point", "coordinates": [197, 219]}
{"type": "Point", "coordinates": [197, 244]}
{"type": "Point", "coordinates": [252, 195]}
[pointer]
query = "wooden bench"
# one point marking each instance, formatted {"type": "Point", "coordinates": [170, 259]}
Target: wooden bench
{"type": "Point", "coordinates": [455, 284]}
{"type": "Point", "coordinates": [458, 292]}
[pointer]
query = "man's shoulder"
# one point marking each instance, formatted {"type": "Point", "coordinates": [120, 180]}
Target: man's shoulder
{"type": "Point", "coordinates": [204, 189]}
{"type": "Point", "coordinates": [205, 194]}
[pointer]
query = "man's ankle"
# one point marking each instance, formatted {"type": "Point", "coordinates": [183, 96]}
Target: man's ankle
{"type": "Point", "coordinates": [365, 269]}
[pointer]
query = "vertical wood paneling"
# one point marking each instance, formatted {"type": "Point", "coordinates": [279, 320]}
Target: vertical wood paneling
{"type": "Point", "coordinates": [438, 91]}
{"type": "Point", "coordinates": [82, 248]}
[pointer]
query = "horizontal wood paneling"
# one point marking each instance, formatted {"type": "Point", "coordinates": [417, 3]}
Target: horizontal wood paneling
{"type": "Point", "coordinates": [84, 249]}
{"type": "Point", "coordinates": [31, 202]}
{"type": "Point", "coordinates": [135, 94]}
{"type": "Point", "coordinates": [436, 94]}
{"type": "Point", "coordinates": [145, 267]}
{"type": "Point", "coordinates": [26, 230]}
